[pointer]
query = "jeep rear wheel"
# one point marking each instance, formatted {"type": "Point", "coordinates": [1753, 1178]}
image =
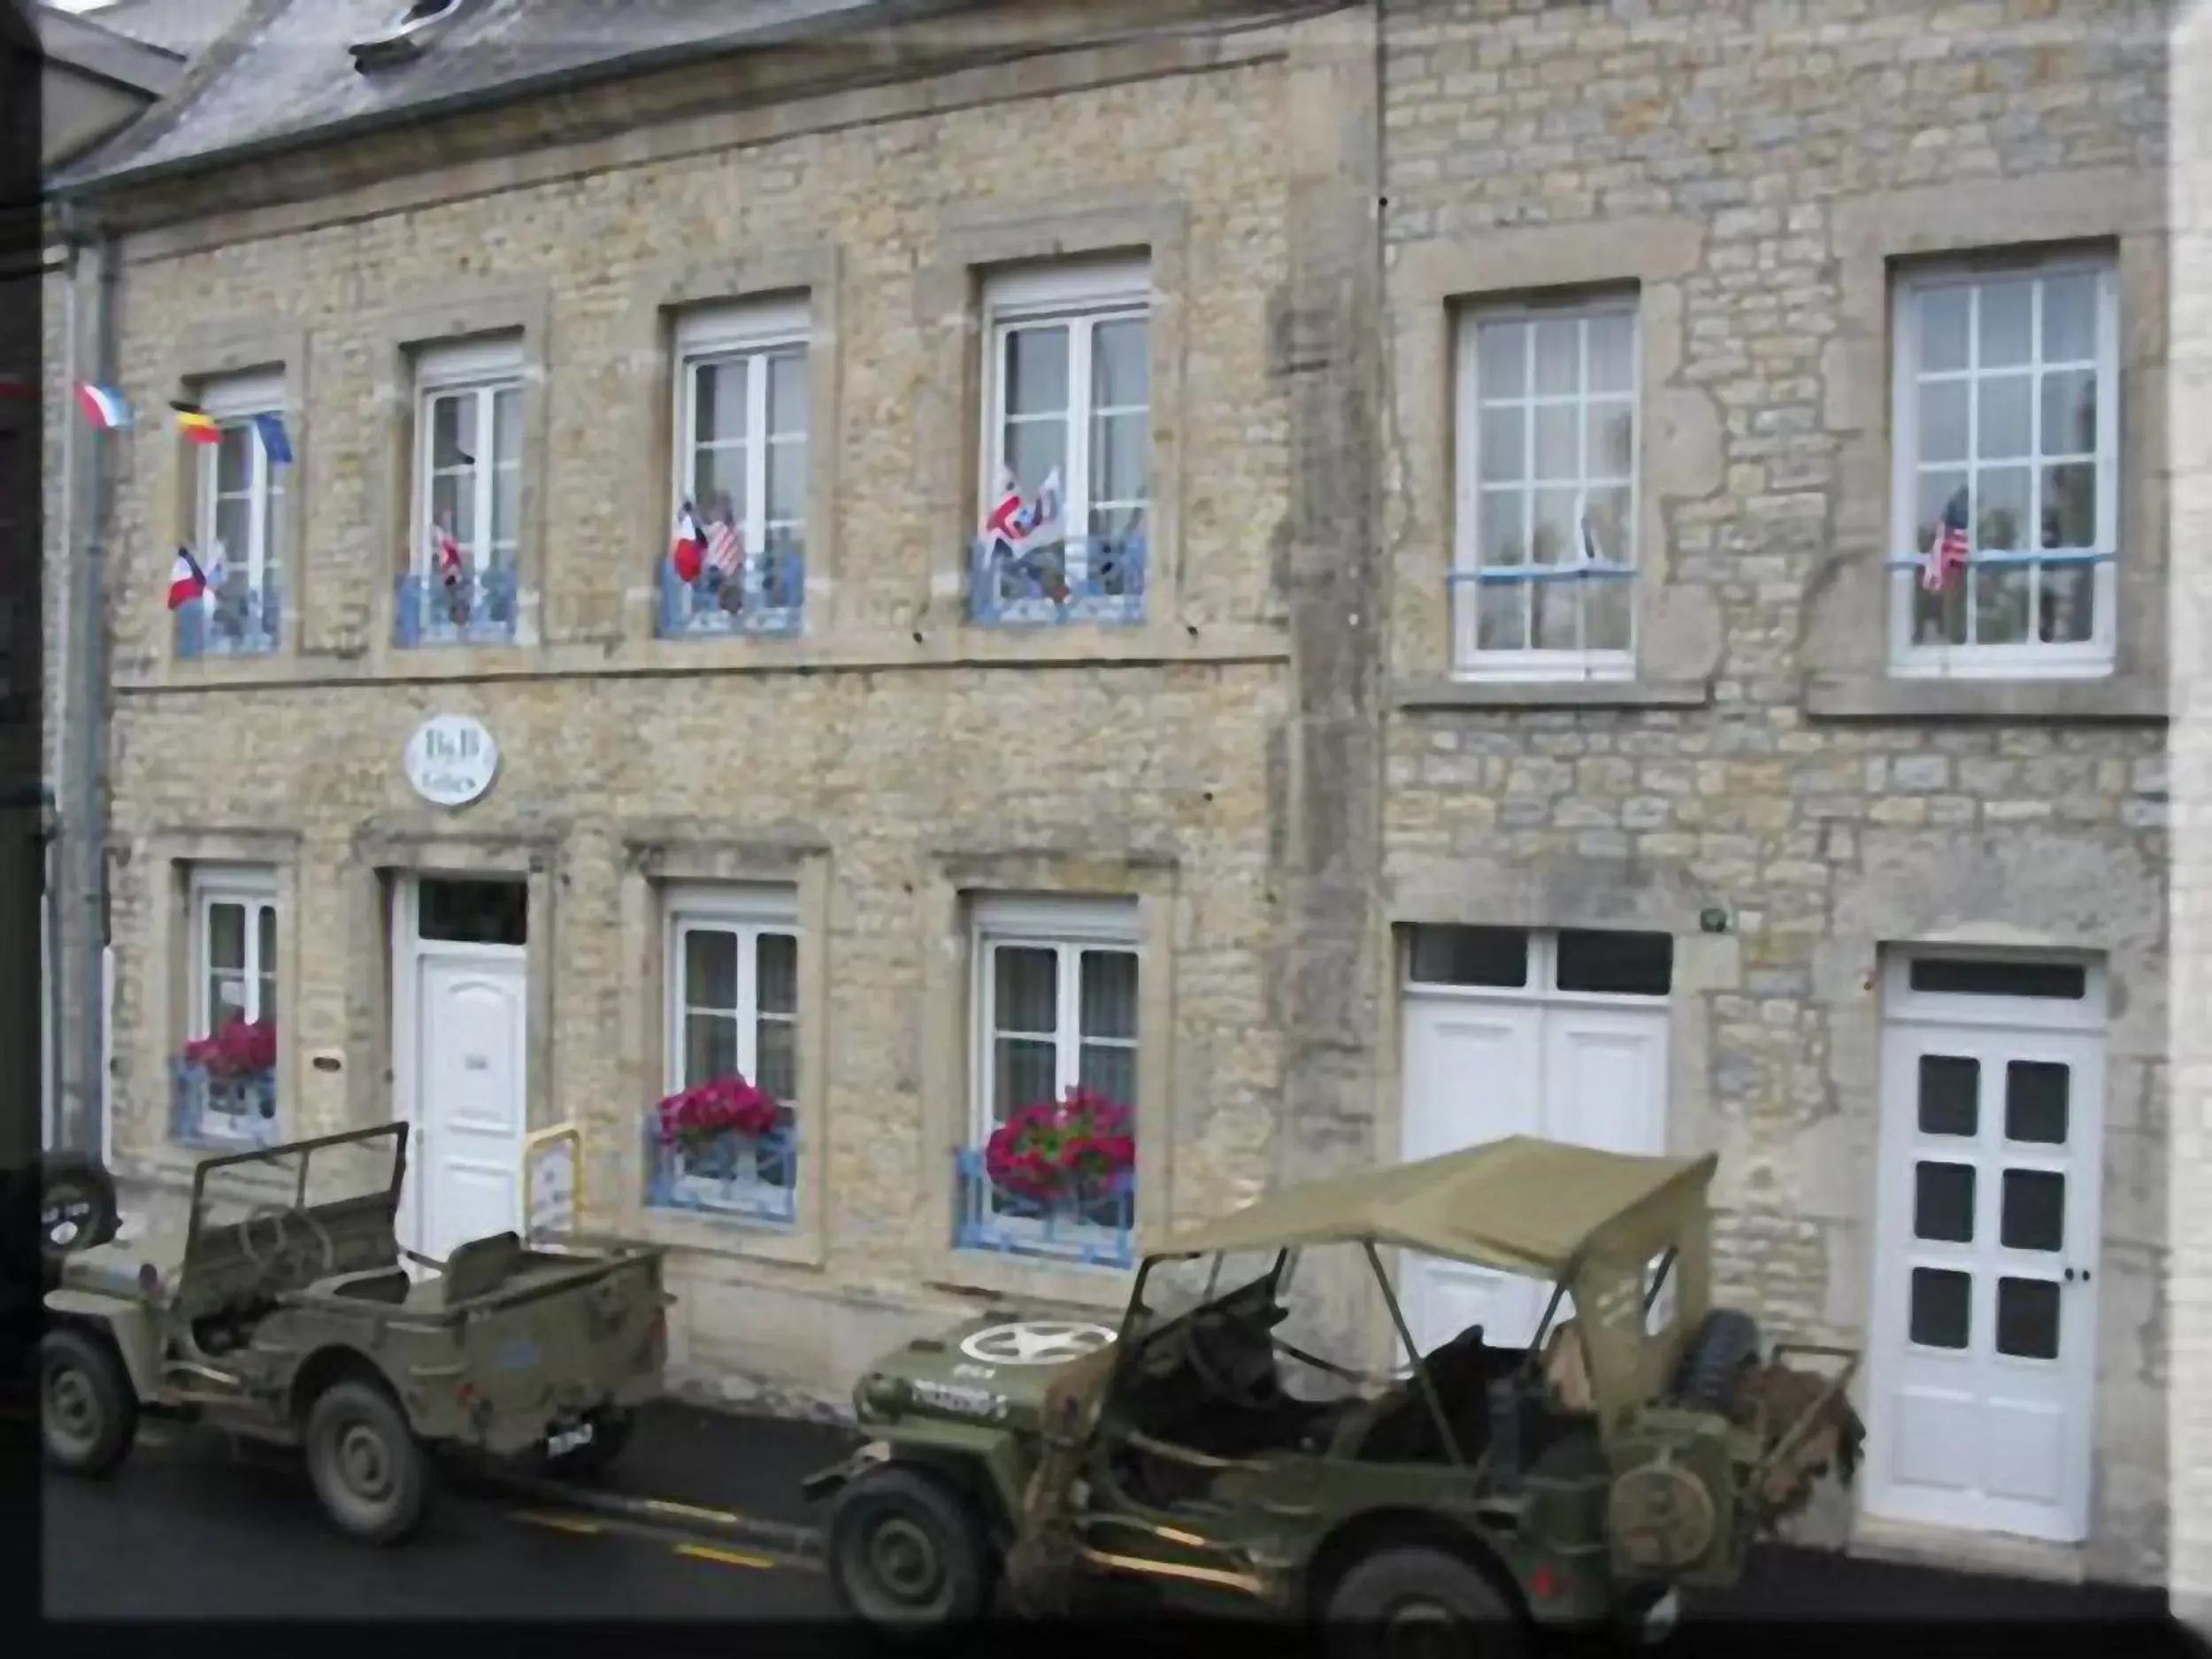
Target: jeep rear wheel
{"type": "Point", "coordinates": [1416, 1602]}
{"type": "Point", "coordinates": [367, 1467]}
{"type": "Point", "coordinates": [87, 1410]}
{"type": "Point", "coordinates": [907, 1552]}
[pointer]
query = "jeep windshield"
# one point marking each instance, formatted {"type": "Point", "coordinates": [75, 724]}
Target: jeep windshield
{"type": "Point", "coordinates": [1175, 1286]}
{"type": "Point", "coordinates": [312, 1174]}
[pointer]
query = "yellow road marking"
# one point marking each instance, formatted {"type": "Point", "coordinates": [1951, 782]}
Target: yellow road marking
{"type": "Point", "coordinates": [728, 1557]}
{"type": "Point", "coordinates": [558, 1523]}
{"type": "Point", "coordinates": [666, 1506]}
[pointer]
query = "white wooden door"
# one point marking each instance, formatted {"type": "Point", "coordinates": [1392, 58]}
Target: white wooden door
{"type": "Point", "coordinates": [471, 1109]}
{"type": "Point", "coordinates": [1478, 1071]}
{"type": "Point", "coordinates": [1983, 1340]}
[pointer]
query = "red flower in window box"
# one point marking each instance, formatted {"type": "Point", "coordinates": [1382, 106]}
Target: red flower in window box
{"type": "Point", "coordinates": [697, 1118]}
{"type": "Point", "coordinates": [240, 1050]}
{"type": "Point", "coordinates": [1078, 1146]}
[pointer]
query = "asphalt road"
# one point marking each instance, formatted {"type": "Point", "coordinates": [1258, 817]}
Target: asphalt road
{"type": "Point", "coordinates": [188, 1529]}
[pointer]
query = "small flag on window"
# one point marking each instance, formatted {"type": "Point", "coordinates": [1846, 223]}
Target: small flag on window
{"type": "Point", "coordinates": [187, 580]}
{"type": "Point", "coordinates": [722, 548]}
{"type": "Point", "coordinates": [275, 441]}
{"type": "Point", "coordinates": [196, 423]}
{"type": "Point", "coordinates": [1951, 548]}
{"type": "Point", "coordinates": [104, 408]}
{"type": "Point", "coordinates": [688, 550]}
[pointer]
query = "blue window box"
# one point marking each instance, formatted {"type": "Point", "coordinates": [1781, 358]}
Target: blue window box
{"type": "Point", "coordinates": [749, 1180]}
{"type": "Point", "coordinates": [1082, 579]}
{"type": "Point", "coordinates": [1096, 1230]}
{"type": "Point", "coordinates": [236, 622]}
{"type": "Point", "coordinates": [226, 1112]}
{"type": "Point", "coordinates": [477, 610]}
{"type": "Point", "coordinates": [764, 598]}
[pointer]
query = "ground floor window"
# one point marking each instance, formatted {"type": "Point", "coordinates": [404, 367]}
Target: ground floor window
{"type": "Point", "coordinates": [224, 1079]}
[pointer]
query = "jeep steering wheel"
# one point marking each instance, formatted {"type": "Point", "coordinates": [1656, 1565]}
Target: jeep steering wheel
{"type": "Point", "coordinates": [280, 1214]}
{"type": "Point", "coordinates": [1255, 1398]}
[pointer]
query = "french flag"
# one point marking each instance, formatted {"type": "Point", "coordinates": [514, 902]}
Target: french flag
{"type": "Point", "coordinates": [688, 551]}
{"type": "Point", "coordinates": [103, 408]}
{"type": "Point", "coordinates": [187, 580]}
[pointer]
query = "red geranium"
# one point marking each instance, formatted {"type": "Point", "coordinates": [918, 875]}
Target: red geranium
{"type": "Point", "coordinates": [242, 1049]}
{"type": "Point", "coordinates": [701, 1114]}
{"type": "Point", "coordinates": [1049, 1151]}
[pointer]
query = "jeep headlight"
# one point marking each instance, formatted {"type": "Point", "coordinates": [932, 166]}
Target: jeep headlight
{"type": "Point", "coordinates": [879, 1396]}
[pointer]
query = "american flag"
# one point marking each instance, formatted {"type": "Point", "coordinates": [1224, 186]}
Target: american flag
{"type": "Point", "coordinates": [722, 550]}
{"type": "Point", "coordinates": [1952, 547]}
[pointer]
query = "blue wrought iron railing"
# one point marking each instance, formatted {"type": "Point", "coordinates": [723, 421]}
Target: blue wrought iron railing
{"type": "Point", "coordinates": [755, 1180]}
{"type": "Point", "coordinates": [1095, 1229]}
{"type": "Point", "coordinates": [2063, 559]}
{"type": "Point", "coordinates": [1082, 579]}
{"type": "Point", "coordinates": [1523, 575]}
{"type": "Point", "coordinates": [764, 597]}
{"type": "Point", "coordinates": [477, 610]}
{"type": "Point", "coordinates": [234, 622]}
{"type": "Point", "coordinates": [207, 1111]}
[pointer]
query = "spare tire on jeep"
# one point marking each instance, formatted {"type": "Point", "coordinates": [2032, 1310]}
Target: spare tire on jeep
{"type": "Point", "coordinates": [1713, 1366]}
{"type": "Point", "coordinates": [76, 1206]}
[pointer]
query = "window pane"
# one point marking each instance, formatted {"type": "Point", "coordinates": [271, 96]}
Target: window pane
{"type": "Point", "coordinates": [233, 460]}
{"type": "Point", "coordinates": [1118, 443]}
{"type": "Point", "coordinates": [2070, 505]}
{"type": "Point", "coordinates": [234, 534]}
{"type": "Point", "coordinates": [710, 968]}
{"type": "Point", "coordinates": [2027, 1318]}
{"type": "Point", "coordinates": [453, 505]}
{"type": "Point", "coordinates": [1110, 994]}
{"type": "Point", "coordinates": [787, 480]}
{"type": "Point", "coordinates": [506, 503]}
{"type": "Point", "coordinates": [1944, 321]}
{"type": "Point", "coordinates": [1942, 1304]}
{"type": "Point", "coordinates": [1612, 352]}
{"type": "Point", "coordinates": [1037, 370]}
{"type": "Point", "coordinates": [1502, 532]}
{"type": "Point", "coordinates": [2001, 509]}
{"type": "Point", "coordinates": [1558, 356]}
{"type": "Point", "coordinates": [2007, 307]}
{"type": "Point", "coordinates": [776, 974]}
{"type": "Point", "coordinates": [1120, 372]}
{"type": "Point", "coordinates": [2069, 609]}
{"type": "Point", "coordinates": [1026, 1072]}
{"type": "Point", "coordinates": [1110, 1070]}
{"type": "Point", "coordinates": [1494, 957]}
{"type": "Point", "coordinates": [1033, 449]}
{"type": "Point", "coordinates": [718, 414]}
{"type": "Point", "coordinates": [1608, 616]}
{"type": "Point", "coordinates": [265, 1009]}
{"type": "Point", "coordinates": [1943, 1202]}
{"type": "Point", "coordinates": [1950, 1089]}
{"type": "Point", "coordinates": [2034, 1214]}
{"type": "Point", "coordinates": [1969, 976]}
{"type": "Point", "coordinates": [2069, 319]}
{"type": "Point", "coordinates": [1605, 514]}
{"type": "Point", "coordinates": [1502, 360]}
{"type": "Point", "coordinates": [2035, 1102]}
{"type": "Point", "coordinates": [1025, 989]}
{"type": "Point", "coordinates": [1501, 616]}
{"type": "Point", "coordinates": [1609, 448]}
{"type": "Point", "coordinates": [1502, 443]}
{"type": "Point", "coordinates": [453, 430]}
{"type": "Point", "coordinates": [226, 998]}
{"type": "Point", "coordinates": [776, 1043]}
{"type": "Point", "coordinates": [1942, 420]}
{"type": "Point", "coordinates": [2070, 413]}
{"type": "Point", "coordinates": [788, 393]}
{"type": "Point", "coordinates": [507, 425]}
{"type": "Point", "coordinates": [717, 484]}
{"type": "Point", "coordinates": [265, 955]}
{"type": "Point", "coordinates": [710, 1046]}
{"type": "Point", "coordinates": [486, 910]}
{"type": "Point", "coordinates": [273, 533]}
{"type": "Point", "coordinates": [1615, 963]}
{"type": "Point", "coordinates": [1558, 453]}
{"type": "Point", "coordinates": [226, 936]}
{"type": "Point", "coordinates": [2000, 432]}
{"type": "Point", "coordinates": [1556, 540]}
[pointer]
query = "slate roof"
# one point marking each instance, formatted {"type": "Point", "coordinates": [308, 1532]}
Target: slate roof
{"type": "Point", "coordinates": [283, 72]}
{"type": "Point", "coordinates": [80, 42]}
{"type": "Point", "coordinates": [182, 28]}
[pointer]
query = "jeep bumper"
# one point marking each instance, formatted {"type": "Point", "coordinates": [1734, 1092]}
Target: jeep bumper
{"type": "Point", "coordinates": [823, 1482]}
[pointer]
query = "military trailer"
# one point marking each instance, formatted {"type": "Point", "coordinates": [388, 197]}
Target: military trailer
{"type": "Point", "coordinates": [1634, 1446]}
{"type": "Point", "coordinates": [283, 1312]}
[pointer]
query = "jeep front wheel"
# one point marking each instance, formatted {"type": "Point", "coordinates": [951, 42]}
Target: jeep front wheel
{"type": "Point", "coordinates": [907, 1552]}
{"type": "Point", "coordinates": [87, 1410]}
{"type": "Point", "coordinates": [368, 1469]}
{"type": "Point", "coordinates": [1414, 1601]}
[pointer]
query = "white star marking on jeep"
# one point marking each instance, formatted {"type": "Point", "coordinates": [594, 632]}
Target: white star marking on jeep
{"type": "Point", "coordinates": [1036, 1342]}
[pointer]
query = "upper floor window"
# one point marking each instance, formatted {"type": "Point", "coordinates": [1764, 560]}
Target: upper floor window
{"type": "Point", "coordinates": [1066, 486]}
{"type": "Point", "coordinates": [1544, 566]}
{"type": "Point", "coordinates": [737, 561]}
{"type": "Point", "coordinates": [238, 494]}
{"type": "Point", "coordinates": [467, 495]}
{"type": "Point", "coordinates": [2006, 443]}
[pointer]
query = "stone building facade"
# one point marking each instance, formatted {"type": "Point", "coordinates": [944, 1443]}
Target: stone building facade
{"type": "Point", "coordinates": [1349, 839]}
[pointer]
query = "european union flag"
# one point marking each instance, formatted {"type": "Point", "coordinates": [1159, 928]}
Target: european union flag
{"type": "Point", "coordinates": [273, 439]}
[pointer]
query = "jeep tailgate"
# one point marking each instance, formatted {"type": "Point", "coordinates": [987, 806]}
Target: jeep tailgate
{"type": "Point", "coordinates": [559, 1340]}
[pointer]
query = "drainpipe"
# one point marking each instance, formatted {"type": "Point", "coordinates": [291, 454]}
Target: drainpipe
{"type": "Point", "coordinates": [55, 966]}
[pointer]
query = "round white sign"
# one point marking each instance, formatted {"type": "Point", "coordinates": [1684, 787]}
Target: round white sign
{"type": "Point", "coordinates": [1036, 1342]}
{"type": "Point", "coordinates": [450, 759]}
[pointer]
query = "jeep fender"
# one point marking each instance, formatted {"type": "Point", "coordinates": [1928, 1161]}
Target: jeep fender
{"type": "Point", "coordinates": [993, 1453]}
{"type": "Point", "coordinates": [128, 1325]}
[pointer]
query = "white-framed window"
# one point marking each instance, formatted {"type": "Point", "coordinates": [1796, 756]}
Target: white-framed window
{"type": "Point", "coordinates": [1069, 390]}
{"type": "Point", "coordinates": [733, 988]}
{"type": "Point", "coordinates": [742, 421]}
{"type": "Point", "coordinates": [240, 493]}
{"type": "Point", "coordinates": [1545, 556]}
{"type": "Point", "coordinates": [2006, 414]}
{"type": "Point", "coordinates": [468, 453]}
{"type": "Point", "coordinates": [1056, 1004]}
{"type": "Point", "coordinates": [233, 947]}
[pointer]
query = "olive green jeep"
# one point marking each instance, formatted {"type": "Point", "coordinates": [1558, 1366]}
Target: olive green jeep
{"type": "Point", "coordinates": [1636, 1445]}
{"type": "Point", "coordinates": [282, 1312]}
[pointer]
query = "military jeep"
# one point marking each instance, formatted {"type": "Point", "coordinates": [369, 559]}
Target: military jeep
{"type": "Point", "coordinates": [1635, 1445]}
{"type": "Point", "coordinates": [282, 1312]}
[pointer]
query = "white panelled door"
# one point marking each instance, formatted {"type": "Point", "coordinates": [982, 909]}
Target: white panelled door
{"type": "Point", "coordinates": [471, 1106]}
{"type": "Point", "coordinates": [1589, 1071]}
{"type": "Point", "coordinates": [1984, 1342]}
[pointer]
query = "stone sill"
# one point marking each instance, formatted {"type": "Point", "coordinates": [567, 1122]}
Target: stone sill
{"type": "Point", "coordinates": [874, 652]}
{"type": "Point", "coordinates": [1428, 695]}
{"type": "Point", "coordinates": [2120, 699]}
